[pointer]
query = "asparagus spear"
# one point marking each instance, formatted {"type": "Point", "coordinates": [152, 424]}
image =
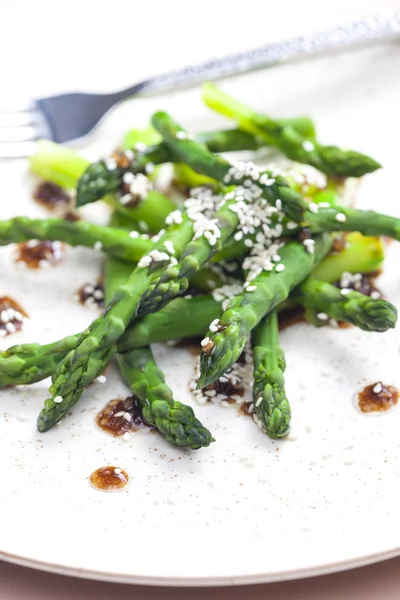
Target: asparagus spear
{"type": "Point", "coordinates": [363, 311]}
{"type": "Point", "coordinates": [98, 343]}
{"type": "Point", "coordinates": [271, 407]}
{"type": "Point", "coordinates": [222, 348]}
{"type": "Point", "coordinates": [331, 160]}
{"type": "Point", "coordinates": [367, 222]}
{"type": "Point", "coordinates": [112, 240]}
{"type": "Point", "coordinates": [200, 159]}
{"type": "Point", "coordinates": [176, 421]}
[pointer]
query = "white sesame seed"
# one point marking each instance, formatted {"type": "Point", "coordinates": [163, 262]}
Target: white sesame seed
{"type": "Point", "coordinates": [312, 207]}
{"type": "Point", "coordinates": [4, 316]}
{"type": "Point", "coordinates": [118, 471]}
{"type": "Point", "coordinates": [126, 436]}
{"type": "Point", "coordinates": [258, 402]}
{"type": "Point", "coordinates": [127, 417]}
{"type": "Point", "coordinates": [101, 379]}
{"type": "Point", "coordinates": [111, 164]}
{"type": "Point", "coordinates": [145, 261]}
{"type": "Point", "coordinates": [238, 236]}
{"type": "Point", "coordinates": [291, 225]}
{"type": "Point", "coordinates": [375, 295]}
{"type": "Point", "coordinates": [251, 288]}
{"type": "Point", "coordinates": [276, 258]}
{"type": "Point", "coordinates": [248, 243]}
{"type": "Point", "coordinates": [98, 294]}
{"type": "Point", "coordinates": [149, 168]}
{"type": "Point", "coordinates": [128, 178]}
{"type": "Point", "coordinates": [322, 316]}
{"type": "Point", "coordinates": [280, 268]}
{"type": "Point", "coordinates": [377, 388]}
{"type": "Point", "coordinates": [133, 234]}
{"type": "Point", "coordinates": [58, 399]}
{"type": "Point", "coordinates": [97, 246]}
{"type": "Point", "coordinates": [169, 246]}
{"type": "Point", "coordinates": [345, 291]}
{"type": "Point", "coordinates": [10, 327]}
{"type": "Point", "coordinates": [129, 154]}
{"type": "Point", "coordinates": [308, 146]}
{"type": "Point", "coordinates": [204, 342]}
{"type": "Point", "coordinates": [341, 217]}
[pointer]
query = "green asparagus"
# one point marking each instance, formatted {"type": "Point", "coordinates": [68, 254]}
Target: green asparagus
{"type": "Point", "coordinates": [271, 407]}
{"type": "Point", "coordinates": [176, 421]}
{"type": "Point", "coordinates": [331, 160]}
{"type": "Point", "coordinates": [222, 348]}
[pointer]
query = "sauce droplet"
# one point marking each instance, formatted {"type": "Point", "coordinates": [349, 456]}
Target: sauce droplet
{"type": "Point", "coordinates": [52, 197]}
{"type": "Point", "coordinates": [377, 398]}
{"type": "Point", "coordinates": [120, 416]}
{"type": "Point", "coordinates": [37, 255]}
{"type": "Point", "coordinates": [109, 479]}
{"type": "Point", "coordinates": [12, 316]}
{"type": "Point", "coordinates": [91, 294]}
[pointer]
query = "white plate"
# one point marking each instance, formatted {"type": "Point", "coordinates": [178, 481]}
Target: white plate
{"type": "Point", "coordinates": [247, 509]}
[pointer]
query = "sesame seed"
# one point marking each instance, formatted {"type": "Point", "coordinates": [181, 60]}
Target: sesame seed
{"type": "Point", "coordinates": [97, 246]}
{"type": "Point", "coordinates": [126, 436]}
{"type": "Point", "coordinates": [111, 164]}
{"type": "Point", "coordinates": [341, 217]}
{"type": "Point", "coordinates": [375, 295]}
{"type": "Point", "coordinates": [127, 417]}
{"type": "Point", "coordinates": [149, 168]}
{"type": "Point", "coordinates": [322, 316]}
{"type": "Point", "coordinates": [248, 243]}
{"type": "Point", "coordinates": [280, 268]}
{"type": "Point", "coordinates": [58, 399]}
{"type": "Point", "coordinates": [98, 294]}
{"type": "Point", "coordinates": [10, 327]}
{"type": "Point", "coordinates": [291, 225]}
{"type": "Point", "coordinates": [145, 261]}
{"type": "Point", "coordinates": [129, 154]}
{"type": "Point", "coordinates": [276, 258]}
{"type": "Point", "coordinates": [118, 471]}
{"type": "Point", "coordinates": [312, 207]}
{"type": "Point", "coordinates": [377, 388]}
{"type": "Point", "coordinates": [258, 402]}
{"type": "Point", "coordinates": [101, 379]}
{"type": "Point", "coordinates": [346, 291]}
{"type": "Point", "coordinates": [204, 342]}
{"type": "Point", "coordinates": [169, 246]}
{"type": "Point", "coordinates": [251, 288]}
{"type": "Point", "coordinates": [308, 146]}
{"type": "Point", "coordinates": [126, 198]}
{"type": "Point", "coordinates": [128, 178]}
{"type": "Point", "coordinates": [133, 234]}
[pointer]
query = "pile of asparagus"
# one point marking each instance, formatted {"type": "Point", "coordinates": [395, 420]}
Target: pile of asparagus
{"type": "Point", "coordinates": [267, 239]}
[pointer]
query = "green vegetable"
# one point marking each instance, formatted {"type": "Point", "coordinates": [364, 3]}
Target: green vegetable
{"type": "Point", "coordinates": [245, 311]}
{"type": "Point", "coordinates": [331, 160]}
{"type": "Point", "coordinates": [176, 421]}
{"type": "Point", "coordinates": [271, 407]}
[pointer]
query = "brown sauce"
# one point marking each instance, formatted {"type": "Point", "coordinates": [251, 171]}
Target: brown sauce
{"type": "Point", "coordinates": [12, 316]}
{"type": "Point", "coordinates": [244, 410]}
{"type": "Point", "coordinates": [37, 255]}
{"type": "Point", "coordinates": [377, 397]}
{"type": "Point", "coordinates": [291, 316]}
{"type": "Point", "coordinates": [52, 197]}
{"type": "Point", "coordinates": [121, 416]}
{"type": "Point", "coordinates": [109, 479]}
{"type": "Point", "coordinates": [91, 294]}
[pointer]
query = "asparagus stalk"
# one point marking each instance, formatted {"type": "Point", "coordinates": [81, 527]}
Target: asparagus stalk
{"type": "Point", "coordinates": [271, 407]}
{"type": "Point", "coordinates": [367, 222]}
{"type": "Point", "coordinates": [222, 348]}
{"type": "Point", "coordinates": [176, 421]}
{"type": "Point", "coordinates": [98, 343]}
{"type": "Point", "coordinates": [331, 160]}
{"type": "Point", "coordinates": [201, 160]}
{"type": "Point", "coordinates": [353, 307]}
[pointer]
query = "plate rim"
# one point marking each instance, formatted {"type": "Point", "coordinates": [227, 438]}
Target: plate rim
{"type": "Point", "coordinates": [201, 582]}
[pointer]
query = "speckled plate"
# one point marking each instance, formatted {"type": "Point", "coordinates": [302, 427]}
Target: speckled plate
{"type": "Point", "coordinates": [247, 509]}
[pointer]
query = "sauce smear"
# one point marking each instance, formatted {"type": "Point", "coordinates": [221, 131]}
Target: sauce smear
{"type": "Point", "coordinates": [12, 316]}
{"type": "Point", "coordinates": [37, 255]}
{"type": "Point", "coordinates": [91, 294]}
{"type": "Point", "coordinates": [377, 397]}
{"type": "Point", "coordinates": [120, 416]}
{"type": "Point", "coordinates": [52, 197]}
{"type": "Point", "coordinates": [109, 479]}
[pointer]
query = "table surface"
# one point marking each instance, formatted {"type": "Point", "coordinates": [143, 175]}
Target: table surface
{"type": "Point", "coordinates": [381, 581]}
{"type": "Point", "coordinates": [82, 64]}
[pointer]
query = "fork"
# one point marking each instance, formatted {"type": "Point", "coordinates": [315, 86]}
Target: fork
{"type": "Point", "coordinates": [72, 116]}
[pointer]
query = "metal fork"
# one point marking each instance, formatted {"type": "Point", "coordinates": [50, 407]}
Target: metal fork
{"type": "Point", "coordinates": [71, 116]}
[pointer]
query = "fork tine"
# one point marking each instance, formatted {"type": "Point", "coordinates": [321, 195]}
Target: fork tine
{"type": "Point", "coordinates": [17, 149]}
{"type": "Point", "coordinates": [14, 107]}
{"type": "Point", "coordinates": [18, 119]}
{"type": "Point", "coordinates": [18, 134]}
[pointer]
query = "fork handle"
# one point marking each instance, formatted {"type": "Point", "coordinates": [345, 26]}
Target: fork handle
{"type": "Point", "coordinates": [371, 28]}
